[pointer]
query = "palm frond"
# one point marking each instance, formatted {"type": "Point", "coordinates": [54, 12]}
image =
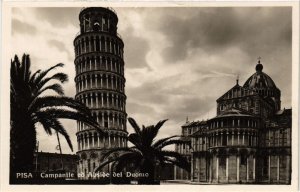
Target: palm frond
{"type": "Point", "coordinates": [121, 150]}
{"type": "Point", "coordinates": [160, 123]}
{"type": "Point", "coordinates": [182, 164]}
{"type": "Point", "coordinates": [159, 142]}
{"type": "Point", "coordinates": [49, 124]}
{"type": "Point", "coordinates": [55, 101]}
{"type": "Point", "coordinates": [32, 78]}
{"type": "Point", "coordinates": [15, 68]}
{"type": "Point", "coordinates": [128, 159]}
{"type": "Point", "coordinates": [27, 68]}
{"type": "Point", "coordinates": [54, 87]}
{"type": "Point", "coordinates": [22, 67]}
{"type": "Point", "coordinates": [67, 114]}
{"type": "Point", "coordinates": [17, 62]}
{"type": "Point", "coordinates": [42, 74]}
{"type": "Point", "coordinates": [150, 132]}
{"type": "Point", "coordinates": [134, 125]}
{"type": "Point", "coordinates": [158, 126]}
{"type": "Point", "coordinates": [108, 161]}
{"type": "Point", "coordinates": [170, 142]}
{"type": "Point", "coordinates": [170, 153]}
{"type": "Point", "coordinates": [176, 158]}
{"type": "Point", "coordinates": [135, 139]}
{"type": "Point", "coordinates": [61, 77]}
{"type": "Point", "coordinates": [59, 128]}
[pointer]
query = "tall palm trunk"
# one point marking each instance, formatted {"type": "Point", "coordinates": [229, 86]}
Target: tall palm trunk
{"type": "Point", "coordinates": [23, 143]}
{"type": "Point", "coordinates": [149, 168]}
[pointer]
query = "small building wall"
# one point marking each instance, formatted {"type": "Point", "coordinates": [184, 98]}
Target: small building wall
{"type": "Point", "coordinates": [50, 162]}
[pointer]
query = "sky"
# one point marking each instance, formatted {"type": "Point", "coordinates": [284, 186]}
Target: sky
{"type": "Point", "coordinates": [178, 61]}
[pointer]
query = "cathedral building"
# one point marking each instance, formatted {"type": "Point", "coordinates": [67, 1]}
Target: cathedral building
{"type": "Point", "coordinates": [249, 141]}
{"type": "Point", "coordinates": [100, 85]}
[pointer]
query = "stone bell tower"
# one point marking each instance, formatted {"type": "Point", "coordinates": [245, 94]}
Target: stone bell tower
{"type": "Point", "coordinates": [100, 84]}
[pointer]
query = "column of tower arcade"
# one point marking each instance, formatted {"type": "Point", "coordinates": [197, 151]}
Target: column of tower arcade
{"type": "Point", "coordinates": [94, 43]}
{"type": "Point", "coordinates": [99, 80]}
{"type": "Point", "coordinates": [93, 140]}
{"type": "Point", "coordinates": [105, 100]}
{"type": "Point", "coordinates": [113, 120]}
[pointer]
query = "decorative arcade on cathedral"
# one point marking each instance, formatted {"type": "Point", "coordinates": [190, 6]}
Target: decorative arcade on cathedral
{"type": "Point", "coordinates": [100, 85]}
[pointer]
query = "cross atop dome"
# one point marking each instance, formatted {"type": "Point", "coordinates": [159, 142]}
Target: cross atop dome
{"type": "Point", "coordinates": [259, 58]}
{"type": "Point", "coordinates": [259, 67]}
{"type": "Point", "coordinates": [237, 79]}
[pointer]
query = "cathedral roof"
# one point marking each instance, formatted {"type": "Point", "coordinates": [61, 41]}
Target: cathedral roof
{"type": "Point", "coordinates": [228, 94]}
{"type": "Point", "coordinates": [259, 80]}
{"type": "Point", "coordinates": [185, 138]}
{"type": "Point", "coordinates": [234, 112]}
{"type": "Point", "coordinates": [194, 123]}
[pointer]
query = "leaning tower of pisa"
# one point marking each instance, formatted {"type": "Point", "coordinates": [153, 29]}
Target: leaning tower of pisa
{"type": "Point", "coordinates": [100, 85]}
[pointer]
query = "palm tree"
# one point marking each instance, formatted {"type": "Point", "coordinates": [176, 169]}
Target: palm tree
{"type": "Point", "coordinates": [145, 154]}
{"type": "Point", "coordinates": [30, 107]}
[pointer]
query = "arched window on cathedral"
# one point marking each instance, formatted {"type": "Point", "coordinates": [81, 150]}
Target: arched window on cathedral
{"type": "Point", "coordinates": [89, 165]}
{"type": "Point", "coordinates": [243, 159]}
{"type": "Point", "coordinates": [224, 139]}
{"type": "Point", "coordinates": [222, 161]}
{"type": "Point", "coordinates": [265, 165]}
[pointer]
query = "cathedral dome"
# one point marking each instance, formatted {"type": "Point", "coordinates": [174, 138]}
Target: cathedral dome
{"type": "Point", "coordinates": [259, 80]}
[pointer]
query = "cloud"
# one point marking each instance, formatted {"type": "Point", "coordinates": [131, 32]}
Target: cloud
{"type": "Point", "coordinates": [203, 28]}
{"type": "Point", "coordinates": [136, 50]}
{"type": "Point", "coordinates": [60, 46]}
{"type": "Point", "coordinates": [255, 30]}
{"type": "Point", "coordinates": [164, 99]}
{"type": "Point", "coordinates": [22, 28]}
{"type": "Point", "coordinates": [58, 17]}
{"type": "Point", "coordinates": [139, 108]}
{"type": "Point", "coordinates": [193, 106]}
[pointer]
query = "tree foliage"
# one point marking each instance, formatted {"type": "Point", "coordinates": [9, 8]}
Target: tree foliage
{"type": "Point", "coordinates": [146, 153]}
{"type": "Point", "coordinates": [31, 106]}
